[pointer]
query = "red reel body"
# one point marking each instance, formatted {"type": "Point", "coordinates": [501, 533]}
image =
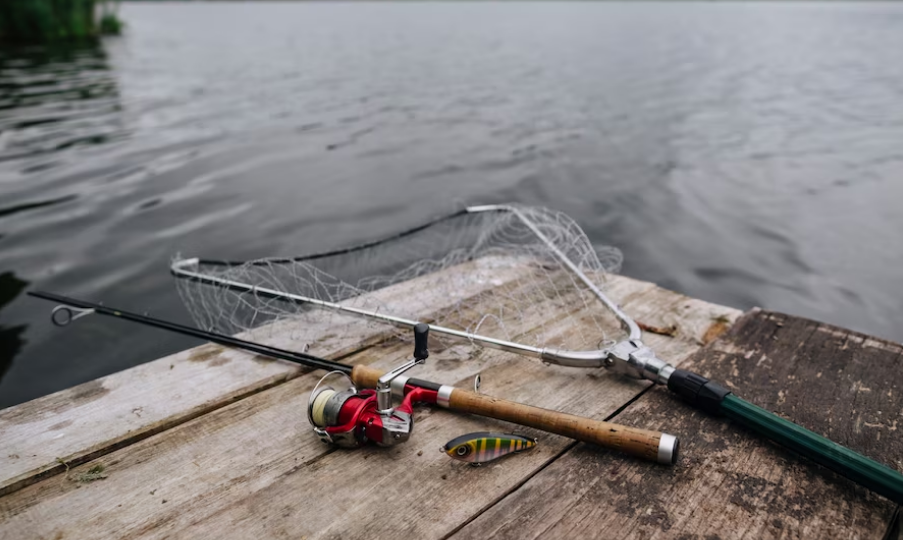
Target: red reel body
{"type": "Point", "coordinates": [351, 418]}
{"type": "Point", "coordinates": [359, 420]}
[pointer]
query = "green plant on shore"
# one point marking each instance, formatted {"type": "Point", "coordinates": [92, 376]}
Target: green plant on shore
{"type": "Point", "coordinates": [110, 24]}
{"type": "Point", "coordinates": [43, 21]}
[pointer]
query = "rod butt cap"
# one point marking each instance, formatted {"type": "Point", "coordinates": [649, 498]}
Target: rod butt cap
{"type": "Point", "coordinates": [668, 448]}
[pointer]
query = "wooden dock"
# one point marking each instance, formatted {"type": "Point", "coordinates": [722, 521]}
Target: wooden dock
{"type": "Point", "coordinates": [214, 443]}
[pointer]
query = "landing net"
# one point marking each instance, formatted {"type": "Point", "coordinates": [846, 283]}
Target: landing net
{"type": "Point", "coordinates": [493, 271]}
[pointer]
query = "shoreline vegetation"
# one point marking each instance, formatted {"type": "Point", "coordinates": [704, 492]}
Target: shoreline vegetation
{"type": "Point", "coordinates": [51, 21]}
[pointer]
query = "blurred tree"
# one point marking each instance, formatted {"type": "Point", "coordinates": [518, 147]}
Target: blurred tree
{"type": "Point", "coordinates": [42, 21]}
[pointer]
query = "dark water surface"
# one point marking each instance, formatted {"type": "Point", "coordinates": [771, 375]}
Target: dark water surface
{"type": "Point", "coordinates": [747, 154]}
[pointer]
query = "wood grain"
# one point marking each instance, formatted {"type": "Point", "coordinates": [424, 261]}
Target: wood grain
{"type": "Point", "coordinates": [252, 468]}
{"type": "Point", "coordinates": [729, 483]}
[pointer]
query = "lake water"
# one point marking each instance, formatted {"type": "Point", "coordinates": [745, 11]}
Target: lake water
{"type": "Point", "coordinates": [746, 154]}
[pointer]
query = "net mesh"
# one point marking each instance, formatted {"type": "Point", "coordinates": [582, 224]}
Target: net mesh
{"type": "Point", "coordinates": [484, 273]}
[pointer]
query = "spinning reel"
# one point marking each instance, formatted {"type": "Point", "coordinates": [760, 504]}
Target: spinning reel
{"type": "Point", "coordinates": [349, 417]}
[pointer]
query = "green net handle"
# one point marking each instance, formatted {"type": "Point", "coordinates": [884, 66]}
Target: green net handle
{"type": "Point", "coordinates": [858, 468]}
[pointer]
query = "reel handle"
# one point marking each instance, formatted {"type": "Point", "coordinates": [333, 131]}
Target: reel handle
{"type": "Point", "coordinates": [421, 337]}
{"type": "Point", "coordinates": [650, 445]}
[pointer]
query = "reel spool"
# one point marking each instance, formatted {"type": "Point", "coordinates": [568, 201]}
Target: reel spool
{"type": "Point", "coordinates": [324, 409]}
{"type": "Point", "coordinates": [349, 417]}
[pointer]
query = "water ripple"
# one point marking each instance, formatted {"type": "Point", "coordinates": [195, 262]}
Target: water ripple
{"type": "Point", "coordinates": [745, 153]}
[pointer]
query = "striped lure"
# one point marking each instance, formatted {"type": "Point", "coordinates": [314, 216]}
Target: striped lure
{"type": "Point", "coordinates": [482, 447]}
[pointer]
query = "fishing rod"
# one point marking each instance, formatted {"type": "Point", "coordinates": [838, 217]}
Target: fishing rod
{"type": "Point", "coordinates": [350, 417]}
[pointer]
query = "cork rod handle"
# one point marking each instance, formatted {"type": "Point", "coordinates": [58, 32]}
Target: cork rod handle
{"type": "Point", "coordinates": [650, 445]}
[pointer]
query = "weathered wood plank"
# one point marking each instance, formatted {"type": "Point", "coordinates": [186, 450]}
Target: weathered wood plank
{"type": "Point", "coordinates": [730, 483]}
{"type": "Point", "coordinates": [89, 420]}
{"type": "Point", "coordinates": [253, 468]}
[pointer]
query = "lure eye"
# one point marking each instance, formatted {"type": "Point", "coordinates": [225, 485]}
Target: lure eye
{"type": "Point", "coordinates": [462, 450]}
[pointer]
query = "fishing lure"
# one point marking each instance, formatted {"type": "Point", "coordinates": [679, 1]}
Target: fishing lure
{"type": "Point", "coordinates": [483, 447]}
